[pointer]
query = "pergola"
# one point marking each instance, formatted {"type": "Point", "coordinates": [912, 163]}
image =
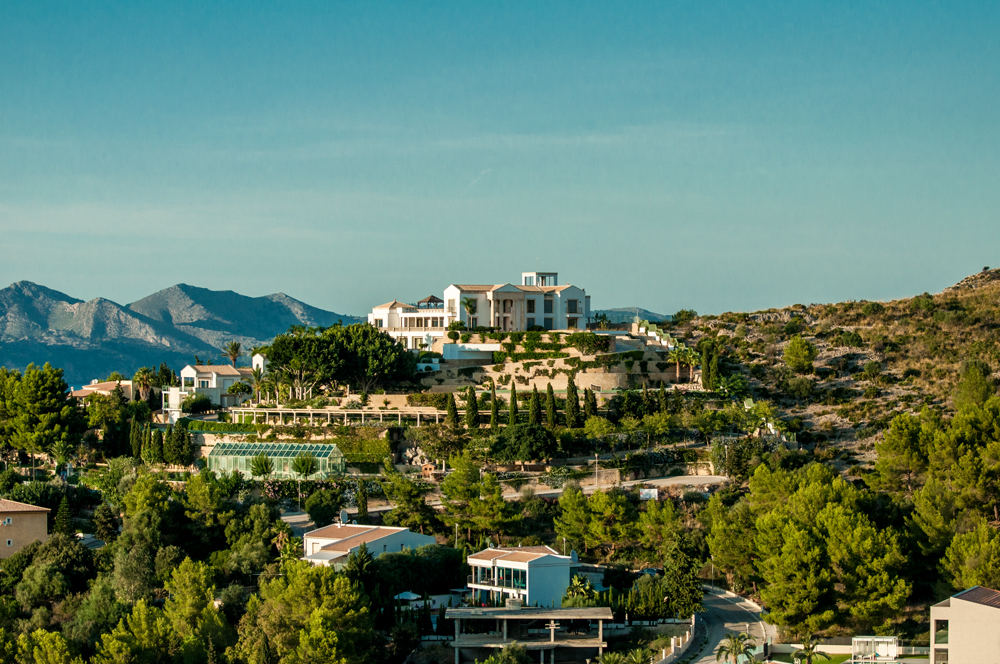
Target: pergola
{"type": "Point", "coordinates": [534, 628]}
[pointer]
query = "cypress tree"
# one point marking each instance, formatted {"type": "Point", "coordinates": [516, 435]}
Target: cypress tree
{"type": "Point", "coordinates": [512, 410]}
{"type": "Point", "coordinates": [572, 405]}
{"type": "Point", "coordinates": [156, 447]}
{"type": "Point", "coordinates": [362, 500]}
{"type": "Point", "coordinates": [63, 523]}
{"type": "Point", "coordinates": [589, 404]}
{"type": "Point", "coordinates": [451, 419]}
{"type": "Point", "coordinates": [535, 409]}
{"type": "Point", "coordinates": [471, 409]}
{"type": "Point", "coordinates": [714, 364]}
{"type": "Point", "coordinates": [661, 397]}
{"type": "Point", "coordinates": [647, 401]}
{"type": "Point", "coordinates": [183, 446]}
{"type": "Point", "coordinates": [550, 406]}
{"type": "Point", "coordinates": [135, 438]}
{"type": "Point", "coordinates": [494, 408]}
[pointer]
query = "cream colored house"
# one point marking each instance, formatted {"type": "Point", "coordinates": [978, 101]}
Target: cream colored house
{"type": "Point", "coordinates": [965, 628]}
{"type": "Point", "coordinates": [213, 380]}
{"type": "Point", "coordinates": [333, 544]}
{"type": "Point", "coordinates": [20, 525]}
{"type": "Point", "coordinates": [539, 300]}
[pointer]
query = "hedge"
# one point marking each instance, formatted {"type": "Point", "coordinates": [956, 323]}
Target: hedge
{"type": "Point", "coordinates": [589, 343]}
{"type": "Point", "coordinates": [222, 427]}
{"type": "Point", "coordinates": [500, 356]}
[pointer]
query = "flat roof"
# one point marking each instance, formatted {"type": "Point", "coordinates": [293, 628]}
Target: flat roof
{"type": "Point", "coordinates": [532, 613]}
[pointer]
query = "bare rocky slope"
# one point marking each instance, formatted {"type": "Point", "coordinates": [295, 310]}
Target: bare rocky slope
{"type": "Point", "coordinates": [91, 339]}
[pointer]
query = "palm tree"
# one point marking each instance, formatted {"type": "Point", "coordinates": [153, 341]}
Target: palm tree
{"type": "Point", "coordinates": [471, 305]}
{"type": "Point", "coordinates": [613, 658]}
{"type": "Point", "coordinates": [261, 466]}
{"type": "Point", "coordinates": [691, 358]}
{"type": "Point", "coordinates": [233, 350]}
{"type": "Point", "coordinates": [677, 356]}
{"type": "Point", "coordinates": [304, 465]}
{"type": "Point", "coordinates": [580, 586]}
{"type": "Point", "coordinates": [143, 381]}
{"type": "Point", "coordinates": [638, 656]}
{"type": "Point", "coordinates": [256, 380]}
{"type": "Point", "coordinates": [734, 646]}
{"type": "Point", "coordinates": [808, 652]}
{"type": "Point", "coordinates": [62, 451]}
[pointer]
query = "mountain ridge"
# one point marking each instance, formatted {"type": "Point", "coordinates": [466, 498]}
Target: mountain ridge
{"type": "Point", "coordinates": [89, 339]}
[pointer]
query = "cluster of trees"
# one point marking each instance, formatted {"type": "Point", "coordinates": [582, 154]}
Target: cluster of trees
{"type": "Point", "coordinates": [154, 446]}
{"type": "Point", "coordinates": [359, 355]}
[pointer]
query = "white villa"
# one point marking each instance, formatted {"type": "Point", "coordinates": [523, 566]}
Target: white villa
{"type": "Point", "coordinates": [536, 575]}
{"type": "Point", "coordinates": [537, 301]}
{"type": "Point", "coordinates": [331, 545]}
{"type": "Point", "coordinates": [213, 380]}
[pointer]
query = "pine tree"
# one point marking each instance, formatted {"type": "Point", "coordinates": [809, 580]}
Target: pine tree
{"type": "Point", "coordinates": [64, 522]}
{"type": "Point", "coordinates": [471, 409]}
{"type": "Point", "coordinates": [494, 408]}
{"type": "Point", "coordinates": [451, 419]}
{"type": "Point", "coordinates": [535, 408]}
{"type": "Point", "coordinates": [550, 406]}
{"type": "Point", "coordinates": [589, 404]}
{"type": "Point", "coordinates": [135, 438]}
{"type": "Point", "coordinates": [572, 405]}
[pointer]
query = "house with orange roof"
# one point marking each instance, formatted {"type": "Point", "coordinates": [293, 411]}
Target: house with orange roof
{"type": "Point", "coordinates": [965, 628]}
{"type": "Point", "coordinates": [537, 301]}
{"type": "Point", "coordinates": [331, 545]}
{"type": "Point", "coordinates": [20, 525]}
{"type": "Point", "coordinates": [536, 575]}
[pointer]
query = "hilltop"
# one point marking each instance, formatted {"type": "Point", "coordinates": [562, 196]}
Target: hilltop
{"type": "Point", "coordinates": [90, 339]}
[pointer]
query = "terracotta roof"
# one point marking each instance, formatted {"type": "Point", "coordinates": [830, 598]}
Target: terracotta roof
{"type": "Point", "coordinates": [336, 532]}
{"type": "Point", "coordinates": [980, 595]}
{"type": "Point", "coordinates": [14, 506]}
{"type": "Point", "coordinates": [220, 369]}
{"type": "Point", "coordinates": [245, 371]}
{"type": "Point", "coordinates": [520, 554]}
{"type": "Point", "coordinates": [395, 304]}
{"type": "Point", "coordinates": [476, 288]}
{"type": "Point", "coordinates": [488, 554]}
{"type": "Point", "coordinates": [358, 540]}
{"type": "Point", "coordinates": [518, 557]}
{"type": "Point", "coordinates": [548, 550]}
{"type": "Point", "coordinates": [429, 299]}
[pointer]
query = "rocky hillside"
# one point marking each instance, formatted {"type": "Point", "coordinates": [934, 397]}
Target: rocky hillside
{"type": "Point", "coordinates": [91, 339]}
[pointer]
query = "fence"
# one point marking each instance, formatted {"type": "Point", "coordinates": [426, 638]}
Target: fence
{"type": "Point", "coordinates": [679, 644]}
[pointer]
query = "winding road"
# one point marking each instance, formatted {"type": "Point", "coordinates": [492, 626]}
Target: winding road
{"type": "Point", "coordinates": [725, 614]}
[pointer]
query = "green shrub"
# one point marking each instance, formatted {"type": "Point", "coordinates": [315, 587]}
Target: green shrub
{"type": "Point", "coordinates": [197, 403]}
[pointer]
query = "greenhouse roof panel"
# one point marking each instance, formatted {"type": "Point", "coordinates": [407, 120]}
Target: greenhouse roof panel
{"type": "Point", "coordinates": [276, 450]}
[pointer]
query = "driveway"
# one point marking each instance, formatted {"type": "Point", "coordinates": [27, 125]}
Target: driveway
{"type": "Point", "coordinates": [729, 614]}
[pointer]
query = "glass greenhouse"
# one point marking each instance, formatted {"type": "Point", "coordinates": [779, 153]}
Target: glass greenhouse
{"type": "Point", "coordinates": [237, 456]}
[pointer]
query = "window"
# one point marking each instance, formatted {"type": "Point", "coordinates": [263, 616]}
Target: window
{"type": "Point", "coordinates": [571, 306]}
{"type": "Point", "coordinates": [940, 654]}
{"type": "Point", "coordinates": [531, 306]}
{"type": "Point", "coordinates": [8, 521]}
{"type": "Point", "coordinates": [10, 542]}
{"type": "Point", "coordinates": [474, 322]}
{"type": "Point", "coordinates": [202, 383]}
{"type": "Point", "coordinates": [548, 305]}
{"type": "Point", "coordinates": [571, 323]}
{"type": "Point", "coordinates": [547, 324]}
{"type": "Point", "coordinates": [378, 322]}
{"type": "Point", "coordinates": [529, 281]}
{"type": "Point", "coordinates": [451, 306]}
{"type": "Point", "coordinates": [188, 382]}
{"type": "Point", "coordinates": [531, 322]}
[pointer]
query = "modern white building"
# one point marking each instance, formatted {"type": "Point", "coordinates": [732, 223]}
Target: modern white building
{"type": "Point", "coordinates": [537, 301]}
{"type": "Point", "coordinates": [537, 575]}
{"type": "Point", "coordinates": [965, 628]}
{"type": "Point", "coordinates": [331, 545]}
{"type": "Point", "coordinates": [212, 380]}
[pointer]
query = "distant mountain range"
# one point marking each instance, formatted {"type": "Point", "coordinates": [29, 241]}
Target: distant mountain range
{"type": "Point", "coordinates": [628, 314]}
{"type": "Point", "coordinates": [91, 339]}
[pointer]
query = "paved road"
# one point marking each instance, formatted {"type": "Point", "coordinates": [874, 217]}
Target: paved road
{"type": "Point", "coordinates": [726, 614]}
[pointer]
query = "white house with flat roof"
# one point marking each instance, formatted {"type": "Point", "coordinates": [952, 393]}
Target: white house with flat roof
{"type": "Point", "coordinates": [537, 301]}
{"type": "Point", "coordinates": [537, 575]}
{"type": "Point", "coordinates": [965, 628]}
{"type": "Point", "coordinates": [331, 545]}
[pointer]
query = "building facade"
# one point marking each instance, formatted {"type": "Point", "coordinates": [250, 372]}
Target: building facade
{"type": "Point", "coordinates": [212, 380]}
{"type": "Point", "coordinates": [538, 300]}
{"type": "Point", "coordinates": [331, 545]}
{"type": "Point", "coordinates": [536, 575]}
{"type": "Point", "coordinates": [20, 525]}
{"type": "Point", "coordinates": [965, 628]}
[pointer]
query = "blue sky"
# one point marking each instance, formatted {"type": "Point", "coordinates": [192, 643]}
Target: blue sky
{"type": "Point", "coordinates": [715, 156]}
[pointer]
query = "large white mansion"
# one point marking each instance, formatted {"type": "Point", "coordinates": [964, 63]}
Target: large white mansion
{"type": "Point", "coordinates": [538, 300]}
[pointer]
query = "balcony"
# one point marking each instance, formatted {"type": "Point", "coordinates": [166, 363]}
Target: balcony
{"type": "Point", "coordinates": [509, 583]}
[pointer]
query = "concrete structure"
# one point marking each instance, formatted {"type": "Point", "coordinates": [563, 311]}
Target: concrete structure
{"type": "Point", "coordinates": [331, 545]}
{"type": "Point", "coordinates": [965, 628]}
{"type": "Point", "coordinates": [536, 629]}
{"type": "Point", "coordinates": [20, 525]}
{"type": "Point", "coordinates": [536, 575]}
{"type": "Point", "coordinates": [212, 380]}
{"type": "Point", "coordinates": [874, 648]}
{"type": "Point", "coordinates": [537, 301]}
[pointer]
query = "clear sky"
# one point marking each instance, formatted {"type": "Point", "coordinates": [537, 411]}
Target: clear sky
{"type": "Point", "coordinates": [715, 156]}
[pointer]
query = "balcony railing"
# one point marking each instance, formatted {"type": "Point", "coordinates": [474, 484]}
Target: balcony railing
{"type": "Point", "coordinates": [511, 583]}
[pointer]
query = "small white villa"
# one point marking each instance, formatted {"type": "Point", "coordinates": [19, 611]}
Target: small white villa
{"type": "Point", "coordinates": [537, 301]}
{"type": "Point", "coordinates": [331, 545]}
{"type": "Point", "coordinates": [212, 380]}
{"type": "Point", "coordinates": [536, 575]}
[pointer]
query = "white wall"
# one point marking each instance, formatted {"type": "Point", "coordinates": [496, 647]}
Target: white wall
{"type": "Point", "coordinates": [548, 579]}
